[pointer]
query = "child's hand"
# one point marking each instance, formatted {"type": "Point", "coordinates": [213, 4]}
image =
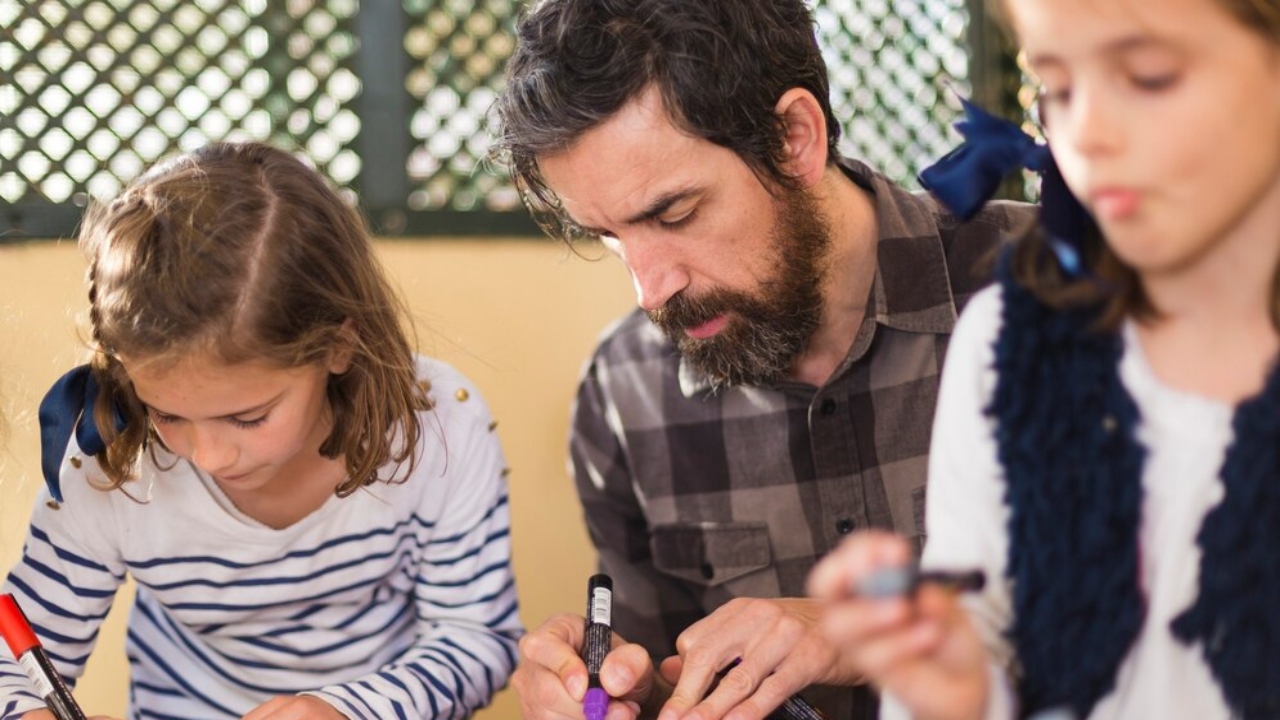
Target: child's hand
{"type": "Point", "coordinates": [552, 678]}
{"type": "Point", "coordinates": [920, 647]}
{"type": "Point", "coordinates": [294, 707]}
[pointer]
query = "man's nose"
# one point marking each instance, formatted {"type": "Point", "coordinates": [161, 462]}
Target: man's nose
{"type": "Point", "coordinates": [657, 271]}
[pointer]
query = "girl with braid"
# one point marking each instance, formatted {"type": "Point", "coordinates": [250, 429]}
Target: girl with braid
{"type": "Point", "coordinates": [1107, 441]}
{"type": "Point", "coordinates": [315, 518]}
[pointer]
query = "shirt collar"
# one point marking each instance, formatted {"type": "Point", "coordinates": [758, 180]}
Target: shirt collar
{"type": "Point", "coordinates": [912, 286]}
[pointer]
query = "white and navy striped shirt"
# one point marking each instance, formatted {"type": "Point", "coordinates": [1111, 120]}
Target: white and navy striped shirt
{"type": "Point", "coordinates": [395, 602]}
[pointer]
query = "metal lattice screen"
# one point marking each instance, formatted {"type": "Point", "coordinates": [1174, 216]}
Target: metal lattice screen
{"type": "Point", "coordinates": [896, 67]}
{"type": "Point", "coordinates": [389, 99]}
{"type": "Point", "coordinates": [92, 93]}
{"type": "Point", "coordinates": [459, 48]}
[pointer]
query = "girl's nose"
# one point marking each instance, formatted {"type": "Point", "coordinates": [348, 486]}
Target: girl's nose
{"type": "Point", "coordinates": [211, 452]}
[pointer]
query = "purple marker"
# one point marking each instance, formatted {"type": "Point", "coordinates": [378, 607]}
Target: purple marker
{"type": "Point", "coordinates": [596, 644]}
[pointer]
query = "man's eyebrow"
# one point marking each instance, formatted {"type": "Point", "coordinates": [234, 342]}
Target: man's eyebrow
{"type": "Point", "coordinates": [660, 205]}
{"type": "Point", "coordinates": [656, 208]}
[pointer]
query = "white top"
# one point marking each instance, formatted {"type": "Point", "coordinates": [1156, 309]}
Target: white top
{"type": "Point", "coordinates": [396, 601]}
{"type": "Point", "coordinates": [1186, 437]}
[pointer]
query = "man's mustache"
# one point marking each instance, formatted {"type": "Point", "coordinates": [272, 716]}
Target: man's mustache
{"type": "Point", "coordinates": [682, 311]}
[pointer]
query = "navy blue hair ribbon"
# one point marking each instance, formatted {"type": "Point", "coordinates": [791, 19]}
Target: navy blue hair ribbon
{"type": "Point", "coordinates": [966, 178]}
{"type": "Point", "coordinates": [67, 409]}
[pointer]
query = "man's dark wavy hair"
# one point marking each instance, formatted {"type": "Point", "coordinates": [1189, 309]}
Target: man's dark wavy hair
{"type": "Point", "coordinates": [720, 65]}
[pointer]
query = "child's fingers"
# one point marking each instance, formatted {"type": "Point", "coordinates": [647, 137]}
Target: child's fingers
{"type": "Point", "coordinates": [938, 603]}
{"type": "Point", "coordinates": [853, 622]}
{"type": "Point", "coordinates": [882, 655]}
{"type": "Point", "coordinates": [855, 558]}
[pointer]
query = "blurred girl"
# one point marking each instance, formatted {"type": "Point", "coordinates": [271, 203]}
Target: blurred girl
{"type": "Point", "coordinates": [1107, 437]}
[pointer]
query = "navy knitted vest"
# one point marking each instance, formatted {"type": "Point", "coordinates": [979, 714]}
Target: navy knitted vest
{"type": "Point", "coordinates": [1065, 431]}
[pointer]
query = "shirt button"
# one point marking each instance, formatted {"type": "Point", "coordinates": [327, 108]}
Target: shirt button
{"type": "Point", "coordinates": [707, 571]}
{"type": "Point", "coordinates": [844, 526]}
{"type": "Point", "coordinates": [828, 406]}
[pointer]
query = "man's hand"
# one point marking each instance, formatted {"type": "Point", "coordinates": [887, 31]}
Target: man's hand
{"type": "Point", "coordinates": [921, 647]}
{"type": "Point", "coordinates": [552, 678]}
{"type": "Point", "coordinates": [295, 707]}
{"type": "Point", "coordinates": [779, 650]}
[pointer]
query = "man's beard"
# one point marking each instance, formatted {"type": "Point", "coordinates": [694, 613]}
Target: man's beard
{"type": "Point", "coordinates": [766, 329]}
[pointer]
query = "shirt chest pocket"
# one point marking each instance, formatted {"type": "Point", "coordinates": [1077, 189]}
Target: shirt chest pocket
{"type": "Point", "coordinates": [710, 553]}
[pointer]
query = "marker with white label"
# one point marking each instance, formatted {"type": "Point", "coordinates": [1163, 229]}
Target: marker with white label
{"type": "Point", "coordinates": [596, 644]}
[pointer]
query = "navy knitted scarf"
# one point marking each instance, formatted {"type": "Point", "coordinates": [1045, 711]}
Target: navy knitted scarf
{"type": "Point", "coordinates": [1066, 439]}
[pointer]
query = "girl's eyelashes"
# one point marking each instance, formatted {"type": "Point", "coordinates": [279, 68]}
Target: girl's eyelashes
{"type": "Point", "coordinates": [1053, 98]}
{"type": "Point", "coordinates": [1061, 96]}
{"type": "Point", "coordinates": [1155, 83]}
{"type": "Point", "coordinates": [163, 419]}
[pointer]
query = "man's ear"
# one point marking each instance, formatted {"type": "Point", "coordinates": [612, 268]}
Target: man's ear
{"type": "Point", "coordinates": [804, 136]}
{"type": "Point", "coordinates": [343, 348]}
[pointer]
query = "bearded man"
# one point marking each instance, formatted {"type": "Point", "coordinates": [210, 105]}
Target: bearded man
{"type": "Point", "coordinates": [776, 388]}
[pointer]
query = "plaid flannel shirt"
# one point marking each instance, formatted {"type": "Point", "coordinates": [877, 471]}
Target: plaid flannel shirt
{"type": "Point", "coordinates": [693, 498]}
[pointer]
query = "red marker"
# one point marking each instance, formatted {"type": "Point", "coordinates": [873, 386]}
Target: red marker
{"type": "Point", "coordinates": [26, 648]}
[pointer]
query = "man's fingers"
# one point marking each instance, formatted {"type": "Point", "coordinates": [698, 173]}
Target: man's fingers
{"type": "Point", "coordinates": [697, 672]}
{"type": "Point", "coordinates": [551, 678]}
{"type": "Point", "coordinates": [566, 627]}
{"type": "Point", "coordinates": [737, 685]}
{"type": "Point", "coordinates": [671, 668]}
{"type": "Point", "coordinates": [543, 696]}
{"type": "Point", "coordinates": [555, 645]}
{"type": "Point", "coordinates": [627, 673]}
{"type": "Point", "coordinates": [773, 691]}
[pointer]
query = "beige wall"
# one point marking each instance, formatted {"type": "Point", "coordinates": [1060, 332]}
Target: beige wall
{"type": "Point", "coordinates": [518, 317]}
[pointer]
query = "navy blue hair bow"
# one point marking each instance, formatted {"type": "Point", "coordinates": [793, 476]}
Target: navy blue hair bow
{"type": "Point", "coordinates": [965, 178]}
{"type": "Point", "coordinates": [65, 410]}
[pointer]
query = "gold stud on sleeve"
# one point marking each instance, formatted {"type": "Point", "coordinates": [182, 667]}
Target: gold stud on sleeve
{"type": "Point", "coordinates": [428, 402]}
{"type": "Point", "coordinates": [462, 394]}
{"type": "Point", "coordinates": [75, 462]}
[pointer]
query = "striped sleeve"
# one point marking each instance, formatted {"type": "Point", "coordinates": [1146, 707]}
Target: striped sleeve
{"type": "Point", "coordinates": [467, 619]}
{"type": "Point", "coordinates": [65, 583]}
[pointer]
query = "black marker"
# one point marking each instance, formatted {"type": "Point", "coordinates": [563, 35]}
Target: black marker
{"type": "Point", "coordinates": [888, 582]}
{"type": "Point", "coordinates": [796, 708]}
{"type": "Point", "coordinates": [27, 650]}
{"type": "Point", "coordinates": [595, 645]}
